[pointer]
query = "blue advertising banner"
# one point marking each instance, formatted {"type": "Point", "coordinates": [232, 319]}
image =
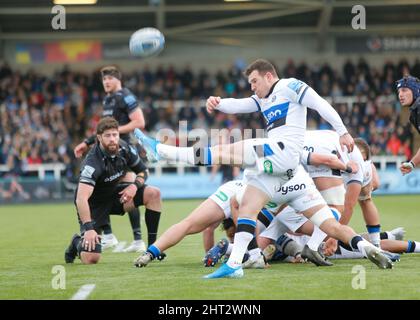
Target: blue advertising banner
{"type": "Point", "coordinates": [173, 186]}
{"type": "Point", "coordinates": [393, 182]}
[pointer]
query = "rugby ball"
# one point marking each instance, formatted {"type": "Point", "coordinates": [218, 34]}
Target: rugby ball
{"type": "Point", "coordinates": [146, 42]}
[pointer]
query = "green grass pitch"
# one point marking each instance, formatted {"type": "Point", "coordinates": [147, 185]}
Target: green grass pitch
{"type": "Point", "coordinates": [33, 239]}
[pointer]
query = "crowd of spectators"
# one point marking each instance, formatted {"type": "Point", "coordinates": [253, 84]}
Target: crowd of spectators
{"type": "Point", "coordinates": [44, 117]}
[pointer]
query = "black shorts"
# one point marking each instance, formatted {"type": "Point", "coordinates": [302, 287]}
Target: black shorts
{"type": "Point", "coordinates": [100, 211]}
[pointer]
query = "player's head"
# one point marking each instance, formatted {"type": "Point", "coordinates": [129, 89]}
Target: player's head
{"type": "Point", "coordinates": [363, 147]}
{"type": "Point", "coordinates": [107, 134]}
{"type": "Point", "coordinates": [229, 227]}
{"type": "Point", "coordinates": [408, 90]}
{"type": "Point", "coordinates": [111, 79]}
{"type": "Point", "coordinates": [261, 76]}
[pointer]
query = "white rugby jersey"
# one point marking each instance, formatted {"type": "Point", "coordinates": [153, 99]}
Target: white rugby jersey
{"type": "Point", "coordinates": [327, 142]}
{"type": "Point", "coordinates": [324, 142]}
{"type": "Point", "coordinates": [284, 110]}
{"type": "Point", "coordinates": [364, 175]}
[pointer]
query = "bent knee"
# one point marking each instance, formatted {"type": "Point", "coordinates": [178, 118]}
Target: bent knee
{"type": "Point", "coordinates": [152, 193]}
{"type": "Point", "coordinates": [90, 258]}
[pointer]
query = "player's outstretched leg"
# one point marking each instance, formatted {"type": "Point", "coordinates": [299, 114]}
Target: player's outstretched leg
{"type": "Point", "coordinates": [148, 143]}
{"type": "Point", "coordinates": [149, 255]}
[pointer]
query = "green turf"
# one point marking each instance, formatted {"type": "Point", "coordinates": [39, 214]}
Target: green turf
{"type": "Point", "coordinates": [33, 239]}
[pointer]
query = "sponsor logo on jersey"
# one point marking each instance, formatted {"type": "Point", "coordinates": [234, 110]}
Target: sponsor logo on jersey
{"type": "Point", "coordinates": [286, 189]}
{"type": "Point", "coordinates": [114, 176]}
{"type": "Point", "coordinates": [276, 112]}
{"type": "Point", "coordinates": [107, 113]}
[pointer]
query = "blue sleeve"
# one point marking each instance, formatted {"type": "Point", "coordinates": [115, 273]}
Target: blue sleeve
{"type": "Point", "coordinates": [131, 102]}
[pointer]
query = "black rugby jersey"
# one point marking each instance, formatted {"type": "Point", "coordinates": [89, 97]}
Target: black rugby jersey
{"type": "Point", "coordinates": [103, 171]}
{"type": "Point", "coordinates": [119, 105]}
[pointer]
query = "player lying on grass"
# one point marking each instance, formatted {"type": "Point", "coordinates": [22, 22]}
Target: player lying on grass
{"type": "Point", "coordinates": [301, 194]}
{"type": "Point", "coordinates": [288, 221]}
{"type": "Point", "coordinates": [101, 193]}
{"type": "Point", "coordinates": [289, 233]}
{"type": "Point", "coordinates": [213, 210]}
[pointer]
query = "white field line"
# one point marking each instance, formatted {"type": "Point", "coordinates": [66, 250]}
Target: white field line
{"type": "Point", "coordinates": [83, 292]}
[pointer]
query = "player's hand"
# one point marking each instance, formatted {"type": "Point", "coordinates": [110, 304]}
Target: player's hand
{"type": "Point", "coordinates": [347, 140]}
{"type": "Point", "coordinates": [353, 165]}
{"type": "Point", "coordinates": [80, 149]}
{"type": "Point", "coordinates": [212, 103]}
{"type": "Point", "coordinates": [330, 247]}
{"type": "Point", "coordinates": [406, 167]}
{"type": "Point", "coordinates": [90, 239]}
{"type": "Point", "coordinates": [128, 193]}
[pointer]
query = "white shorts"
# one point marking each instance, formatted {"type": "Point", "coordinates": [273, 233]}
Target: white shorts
{"type": "Point", "coordinates": [224, 193]}
{"type": "Point", "coordinates": [286, 220]}
{"type": "Point", "coordinates": [300, 192]}
{"type": "Point", "coordinates": [335, 195]}
{"type": "Point", "coordinates": [269, 157]}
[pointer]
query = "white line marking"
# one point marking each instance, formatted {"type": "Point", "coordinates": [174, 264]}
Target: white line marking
{"type": "Point", "coordinates": [120, 246]}
{"type": "Point", "coordinates": [83, 292]}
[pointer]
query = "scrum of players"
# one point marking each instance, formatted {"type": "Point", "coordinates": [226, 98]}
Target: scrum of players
{"type": "Point", "coordinates": [297, 205]}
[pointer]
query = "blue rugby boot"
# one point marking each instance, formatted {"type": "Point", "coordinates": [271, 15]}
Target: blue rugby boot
{"type": "Point", "coordinates": [216, 253]}
{"type": "Point", "coordinates": [148, 143]}
{"type": "Point", "coordinates": [226, 272]}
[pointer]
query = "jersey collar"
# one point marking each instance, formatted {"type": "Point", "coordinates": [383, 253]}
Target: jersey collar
{"type": "Point", "coordinates": [106, 154]}
{"type": "Point", "coordinates": [271, 89]}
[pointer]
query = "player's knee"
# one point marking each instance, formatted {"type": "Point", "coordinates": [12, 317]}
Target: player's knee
{"type": "Point", "coordinates": [153, 193]}
{"type": "Point", "coordinates": [322, 216]}
{"type": "Point", "coordinates": [90, 258]}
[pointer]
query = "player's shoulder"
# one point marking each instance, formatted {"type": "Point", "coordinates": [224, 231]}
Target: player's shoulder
{"type": "Point", "coordinates": [127, 96]}
{"type": "Point", "coordinates": [127, 149]}
{"type": "Point", "coordinates": [124, 92]}
{"type": "Point", "coordinates": [94, 158]}
{"type": "Point", "coordinates": [291, 84]}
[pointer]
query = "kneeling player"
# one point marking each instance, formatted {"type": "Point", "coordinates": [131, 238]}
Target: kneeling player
{"type": "Point", "coordinates": [99, 194]}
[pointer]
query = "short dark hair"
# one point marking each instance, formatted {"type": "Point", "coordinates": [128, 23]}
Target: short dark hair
{"type": "Point", "coordinates": [262, 66]}
{"type": "Point", "coordinates": [106, 124]}
{"type": "Point", "coordinates": [227, 223]}
{"type": "Point", "coordinates": [111, 71]}
{"type": "Point", "coordinates": [363, 146]}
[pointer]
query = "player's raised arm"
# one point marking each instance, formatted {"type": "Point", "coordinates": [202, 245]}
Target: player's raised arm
{"type": "Point", "coordinates": [231, 105]}
{"type": "Point", "coordinates": [332, 161]}
{"type": "Point", "coordinates": [312, 100]}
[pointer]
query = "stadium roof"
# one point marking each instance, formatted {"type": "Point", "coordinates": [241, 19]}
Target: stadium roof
{"type": "Point", "coordinates": [206, 20]}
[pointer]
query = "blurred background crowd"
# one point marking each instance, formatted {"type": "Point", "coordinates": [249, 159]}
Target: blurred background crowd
{"type": "Point", "coordinates": [44, 117]}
